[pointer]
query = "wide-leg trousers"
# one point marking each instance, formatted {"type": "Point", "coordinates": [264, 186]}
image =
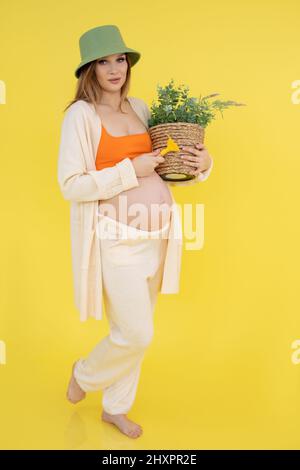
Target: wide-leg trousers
{"type": "Point", "coordinates": [132, 269]}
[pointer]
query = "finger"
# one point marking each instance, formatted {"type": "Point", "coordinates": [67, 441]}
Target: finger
{"type": "Point", "coordinates": [200, 145]}
{"type": "Point", "coordinates": [157, 155]}
{"type": "Point", "coordinates": [193, 165]}
{"type": "Point", "coordinates": [191, 158]}
{"type": "Point", "coordinates": [193, 150]}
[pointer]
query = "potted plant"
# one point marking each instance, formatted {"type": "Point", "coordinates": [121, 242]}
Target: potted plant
{"type": "Point", "coordinates": [177, 121]}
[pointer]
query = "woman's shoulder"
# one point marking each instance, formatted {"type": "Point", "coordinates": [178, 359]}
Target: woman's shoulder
{"type": "Point", "coordinates": [140, 106]}
{"type": "Point", "coordinates": [79, 106]}
{"type": "Point", "coordinates": [137, 101]}
{"type": "Point", "coordinates": [80, 112]}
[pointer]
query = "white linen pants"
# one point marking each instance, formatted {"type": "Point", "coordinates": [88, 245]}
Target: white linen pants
{"type": "Point", "coordinates": [132, 268]}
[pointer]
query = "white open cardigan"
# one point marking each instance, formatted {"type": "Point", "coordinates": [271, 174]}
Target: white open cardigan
{"type": "Point", "coordinates": [84, 186]}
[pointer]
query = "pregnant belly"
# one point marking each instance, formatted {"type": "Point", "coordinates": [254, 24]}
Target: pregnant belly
{"type": "Point", "coordinates": [145, 207]}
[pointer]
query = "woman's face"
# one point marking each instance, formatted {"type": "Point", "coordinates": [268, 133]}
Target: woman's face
{"type": "Point", "coordinates": [112, 66]}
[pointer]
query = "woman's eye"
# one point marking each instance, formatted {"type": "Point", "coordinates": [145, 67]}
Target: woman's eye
{"type": "Point", "coordinates": [121, 58]}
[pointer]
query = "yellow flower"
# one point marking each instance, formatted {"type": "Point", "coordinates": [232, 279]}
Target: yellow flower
{"type": "Point", "coordinates": [171, 146]}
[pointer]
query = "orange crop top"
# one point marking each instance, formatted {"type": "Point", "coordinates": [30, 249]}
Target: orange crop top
{"type": "Point", "coordinates": [113, 149]}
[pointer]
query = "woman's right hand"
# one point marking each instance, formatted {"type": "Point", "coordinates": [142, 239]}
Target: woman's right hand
{"type": "Point", "coordinates": [146, 163]}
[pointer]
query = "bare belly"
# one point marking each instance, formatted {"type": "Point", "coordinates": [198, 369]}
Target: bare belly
{"type": "Point", "coordinates": [145, 207]}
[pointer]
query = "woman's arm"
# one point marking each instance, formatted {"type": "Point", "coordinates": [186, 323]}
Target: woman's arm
{"type": "Point", "coordinates": [75, 181]}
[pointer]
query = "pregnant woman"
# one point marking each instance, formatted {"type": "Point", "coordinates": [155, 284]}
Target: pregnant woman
{"type": "Point", "coordinates": [106, 162]}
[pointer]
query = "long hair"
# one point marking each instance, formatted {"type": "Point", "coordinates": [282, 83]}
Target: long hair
{"type": "Point", "coordinates": [89, 89]}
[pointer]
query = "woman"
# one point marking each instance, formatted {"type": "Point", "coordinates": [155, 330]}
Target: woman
{"type": "Point", "coordinates": [106, 162]}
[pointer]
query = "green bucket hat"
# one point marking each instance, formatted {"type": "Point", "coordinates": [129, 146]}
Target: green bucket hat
{"type": "Point", "coordinates": [103, 41]}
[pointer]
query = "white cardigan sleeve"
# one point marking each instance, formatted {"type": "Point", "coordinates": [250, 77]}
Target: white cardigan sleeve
{"type": "Point", "coordinates": [201, 177]}
{"type": "Point", "coordinates": [75, 181]}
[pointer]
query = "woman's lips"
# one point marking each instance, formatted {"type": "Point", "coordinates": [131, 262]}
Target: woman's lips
{"type": "Point", "coordinates": [115, 81]}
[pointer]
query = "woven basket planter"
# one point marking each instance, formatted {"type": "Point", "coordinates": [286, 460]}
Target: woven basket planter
{"type": "Point", "coordinates": [185, 134]}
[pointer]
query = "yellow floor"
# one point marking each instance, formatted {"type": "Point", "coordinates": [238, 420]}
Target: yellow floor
{"type": "Point", "coordinates": [209, 392]}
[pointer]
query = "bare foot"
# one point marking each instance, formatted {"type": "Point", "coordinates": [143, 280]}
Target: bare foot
{"type": "Point", "coordinates": [74, 392]}
{"type": "Point", "coordinates": [125, 425]}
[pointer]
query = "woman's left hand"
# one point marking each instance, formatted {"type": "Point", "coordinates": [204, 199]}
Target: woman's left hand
{"type": "Point", "coordinates": [200, 158]}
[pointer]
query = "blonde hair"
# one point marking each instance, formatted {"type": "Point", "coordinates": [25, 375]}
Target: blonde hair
{"type": "Point", "coordinates": [89, 89]}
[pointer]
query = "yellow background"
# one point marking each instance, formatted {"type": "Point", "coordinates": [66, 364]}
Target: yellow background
{"type": "Point", "coordinates": [219, 373]}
